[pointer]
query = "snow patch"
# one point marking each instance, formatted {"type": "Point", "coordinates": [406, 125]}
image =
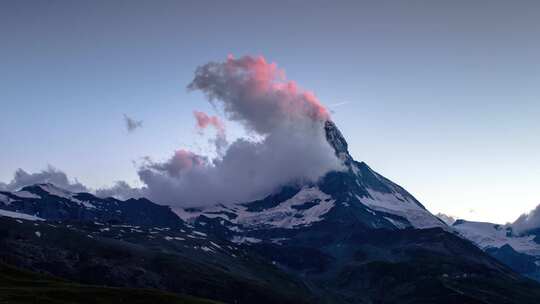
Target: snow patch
{"type": "Point", "coordinates": [58, 192]}
{"type": "Point", "coordinates": [278, 241]}
{"type": "Point", "coordinates": [285, 215]}
{"type": "Point", "coordinates": [244, 239]}
{"type": "Point", "coordinates": [397, 224]}
{"type": "Point", "coordinates": [18, 215]}
{"type": "Point", "coordinates": [86, 204]}
{"type": "Point", "coordinates": [396, 203]}
{"type": "Point", "coordinates": [207, 249]}
{"type": "Point", "coordinates": [52, 190]}
{"type": "Point", "coordinates": [25, 194]}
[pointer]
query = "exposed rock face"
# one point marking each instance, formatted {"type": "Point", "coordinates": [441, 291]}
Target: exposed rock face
{"type": "Point", "coordinates": [336, 140]}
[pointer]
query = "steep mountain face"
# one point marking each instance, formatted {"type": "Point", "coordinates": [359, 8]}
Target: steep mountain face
{"type": "Point", "coordinates": [520, 252]}
{"type": "Point", "coordinates": [387, 204]}
{"type": "Point", "coordinates": [357, 195]}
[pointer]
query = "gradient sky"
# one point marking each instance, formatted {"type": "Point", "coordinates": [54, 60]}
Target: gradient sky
{"type": "Point", "coordinates": [442, 97]}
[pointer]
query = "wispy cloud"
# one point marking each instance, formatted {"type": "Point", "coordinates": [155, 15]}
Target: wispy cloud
{"type": "Point", "coordinates": [332, 107]}
{"type": "Point", "coordinates": [338, 104]}
{"type": "Point", "coordinates": [132, 124]}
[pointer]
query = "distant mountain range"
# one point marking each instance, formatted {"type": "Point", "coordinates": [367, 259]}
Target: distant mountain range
{"type": "Point", "coordinates": [519, 251]}
{"type": "Point", "coordinates": [352, 237]}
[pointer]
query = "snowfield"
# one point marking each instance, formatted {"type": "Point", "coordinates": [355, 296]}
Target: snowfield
{"type": "Point", "coordinates": [284, 215]}
{"type": "Point", "coordinates": [397, 204]}
{"type": "Point", "coordinates": [488, 235]}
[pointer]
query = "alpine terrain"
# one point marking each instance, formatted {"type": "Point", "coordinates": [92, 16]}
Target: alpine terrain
{"type": "Point", "coordinates": [352, 237]}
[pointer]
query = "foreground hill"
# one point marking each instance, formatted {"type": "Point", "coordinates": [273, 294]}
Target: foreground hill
{"type": "Point", "coordinates": [179, 261]}
{"type": "Point", "coordinates": [19, 286]}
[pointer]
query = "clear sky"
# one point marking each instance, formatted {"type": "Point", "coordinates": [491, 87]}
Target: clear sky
{"type": "Point", "coordinates": [442, 97]}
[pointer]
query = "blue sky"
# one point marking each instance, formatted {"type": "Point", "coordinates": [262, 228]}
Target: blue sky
{"type": "Point", "coordinates": [440, 96]}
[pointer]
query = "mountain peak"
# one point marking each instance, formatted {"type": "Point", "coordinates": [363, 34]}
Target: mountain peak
{"type": "Point", "coordinates": [336, 139]}
{"type": "Point", "coordinates": [338, 143]}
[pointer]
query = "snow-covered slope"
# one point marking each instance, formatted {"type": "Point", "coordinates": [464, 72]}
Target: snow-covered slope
{"type": "Point", "coordinates": [399, 205]}
{"type": "Point", "coordinates": [307, 206]}
{"type": "Point", "coordinates": [521, 252]}
{"type": "Point", "coordinates": [488, 235]}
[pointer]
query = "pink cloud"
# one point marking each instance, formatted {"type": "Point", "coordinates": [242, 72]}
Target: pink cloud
{"type": "Point", "coordinates": [291, 147]}
{"type": "Point", "coordinates": [266, 79]}
{"type": "Point", "coordinates": [257, 93]}
{"type": "Point", "coordinates": [204, 120]}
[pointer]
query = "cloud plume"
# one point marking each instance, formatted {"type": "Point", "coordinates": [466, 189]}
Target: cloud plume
{"type": "Point", "coordinates": [290, 145]}
{"type": "Point", "coordinates": [256, 94]}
